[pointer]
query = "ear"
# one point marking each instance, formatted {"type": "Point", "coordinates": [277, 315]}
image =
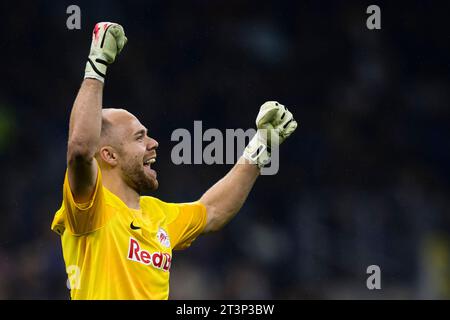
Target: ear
{"type": "Point", "coordinates": [109, 155]}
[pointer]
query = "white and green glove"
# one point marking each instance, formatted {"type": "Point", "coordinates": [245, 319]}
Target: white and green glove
{"type": "Point", "coordinates": [108, 40]}
{"type": "Point", "coordinates": [274, 124]}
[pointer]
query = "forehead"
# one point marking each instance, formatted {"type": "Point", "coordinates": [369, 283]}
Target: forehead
{"type": "Point", "coordinates": [123, 120]}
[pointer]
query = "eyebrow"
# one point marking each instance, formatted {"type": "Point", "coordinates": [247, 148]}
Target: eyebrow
{"type": "Point", "coordinates": [141, 132]}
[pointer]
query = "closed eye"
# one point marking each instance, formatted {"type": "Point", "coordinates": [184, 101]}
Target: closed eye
{"type": "Point", "coordinates": [141, 134]}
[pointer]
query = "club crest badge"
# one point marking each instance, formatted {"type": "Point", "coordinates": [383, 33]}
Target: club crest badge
{"type": "Point", "coordinates": [163, 237]}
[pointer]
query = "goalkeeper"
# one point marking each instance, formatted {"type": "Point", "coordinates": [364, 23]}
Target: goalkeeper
{"type": "Point", "coordinates": [117, 244]}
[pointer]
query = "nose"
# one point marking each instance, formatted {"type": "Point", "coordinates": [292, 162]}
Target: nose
{"type": "Point", "coordinates": [152, 144]}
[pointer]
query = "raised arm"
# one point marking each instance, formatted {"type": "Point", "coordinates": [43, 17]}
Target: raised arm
{"type": "Point", "coordinates": [108, 40]}
{"type": "Point", "coordinates": [84, 135]}
{"type": "Point", "coordinates": [223, 200]}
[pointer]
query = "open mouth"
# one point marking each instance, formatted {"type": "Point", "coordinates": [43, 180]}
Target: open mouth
{"type": "Point", "coordinates": [147, 166]}
{"type": "Point", "coordinates": [149, 162]}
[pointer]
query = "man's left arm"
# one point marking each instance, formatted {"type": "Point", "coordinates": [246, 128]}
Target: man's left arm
{"type": "Point", "coordinates": [223, 200]}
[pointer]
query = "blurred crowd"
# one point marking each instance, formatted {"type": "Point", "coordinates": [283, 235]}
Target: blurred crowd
{"type": "Point", "coordinates": [363, 181]}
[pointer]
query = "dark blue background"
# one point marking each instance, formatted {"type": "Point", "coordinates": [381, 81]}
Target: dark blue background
{"type": "Point", "coordinates": [364, 180]}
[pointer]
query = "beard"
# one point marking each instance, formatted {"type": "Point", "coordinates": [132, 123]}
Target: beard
{"type": "Point", "coordinates": [136, 177]}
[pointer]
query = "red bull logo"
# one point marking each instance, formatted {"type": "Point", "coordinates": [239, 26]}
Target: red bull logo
{"type": "Point", "coordinates": [158, 260]}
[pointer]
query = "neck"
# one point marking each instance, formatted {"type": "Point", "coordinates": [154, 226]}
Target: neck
{"type": "Point", "coordinates": [116, 185]}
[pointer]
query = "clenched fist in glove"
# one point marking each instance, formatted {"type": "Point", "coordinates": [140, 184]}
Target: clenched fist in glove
{"type": "Point", "coordinates": [108, 40]}
{"type": "Point", "coordinates": [275, 124]}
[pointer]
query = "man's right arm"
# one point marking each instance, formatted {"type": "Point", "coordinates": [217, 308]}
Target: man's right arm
{"type": "Point", "coordinates": [108, 40]}
{"type": "Point", "coordinates": [84, 135]}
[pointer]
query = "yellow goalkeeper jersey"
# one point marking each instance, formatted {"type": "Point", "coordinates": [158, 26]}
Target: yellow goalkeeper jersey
{"type": "Point", "coordinates": [115, 252]}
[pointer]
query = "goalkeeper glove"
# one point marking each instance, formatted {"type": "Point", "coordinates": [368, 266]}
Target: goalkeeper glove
{"type": "Point", "coordinates": [108, 40]}
{"type": "Point", "coordinates": [274, 123]}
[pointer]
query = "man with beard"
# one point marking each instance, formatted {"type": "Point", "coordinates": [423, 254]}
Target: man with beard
{"type": "Point", "coordinates": [117, 244]}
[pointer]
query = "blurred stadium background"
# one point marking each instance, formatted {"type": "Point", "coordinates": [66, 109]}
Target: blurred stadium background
{"type": "Point", "coordinates": [364, 180]}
